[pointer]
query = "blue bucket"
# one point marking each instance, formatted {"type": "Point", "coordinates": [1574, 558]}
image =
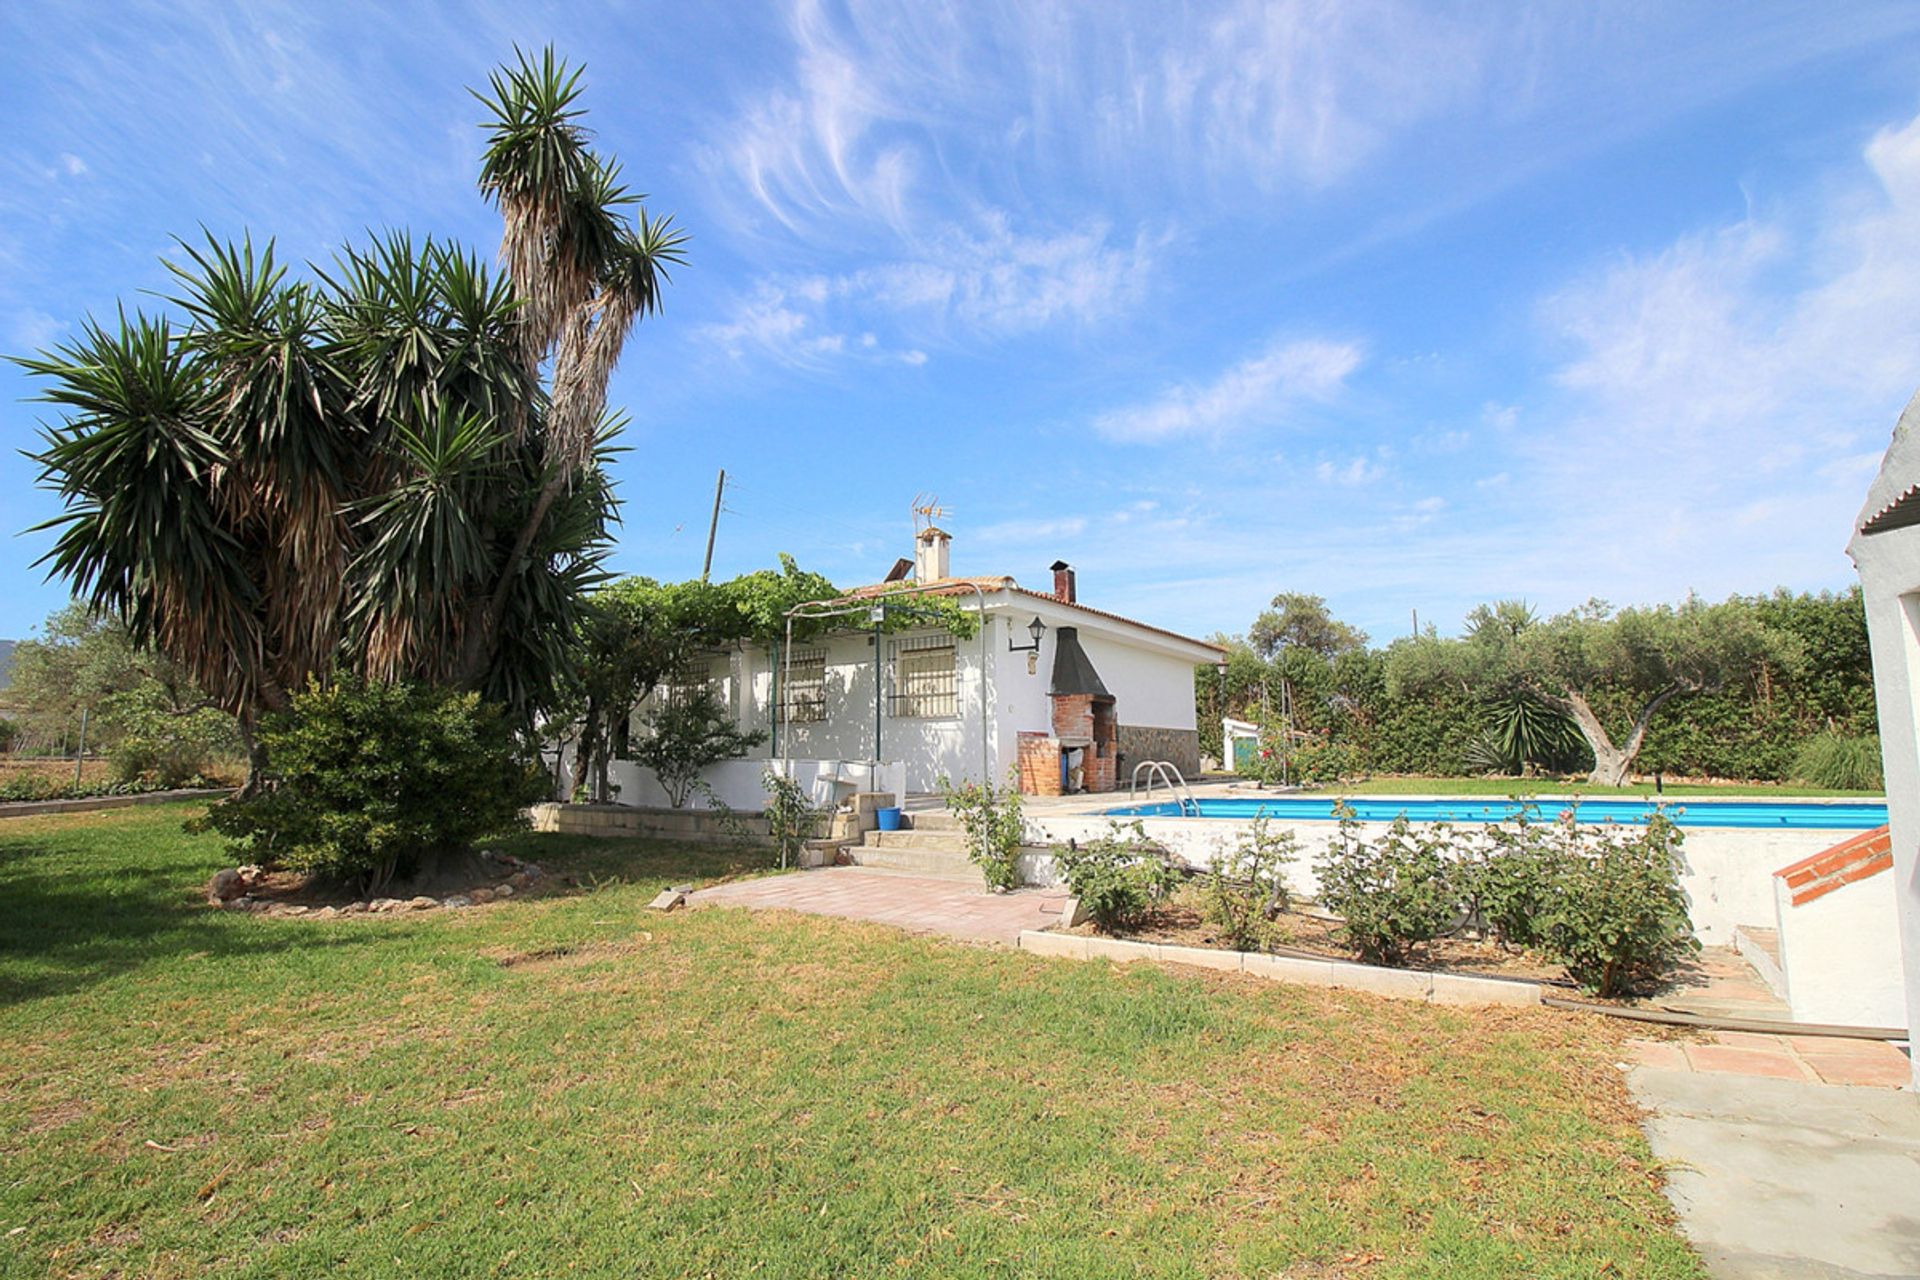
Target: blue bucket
{"type": "Point", "coordinates": [889, 819]}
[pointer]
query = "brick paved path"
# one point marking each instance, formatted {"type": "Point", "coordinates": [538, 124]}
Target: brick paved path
{"type": "Point", "coordinates": [1810, 1059]}
{"type": "Point", "coordinates": [920, 903]}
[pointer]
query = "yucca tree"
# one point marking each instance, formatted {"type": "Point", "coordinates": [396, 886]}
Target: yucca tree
{"type": "Point", "coordinates": [364, 468]}
{"type": "Point", "coordinates": [583, 273]}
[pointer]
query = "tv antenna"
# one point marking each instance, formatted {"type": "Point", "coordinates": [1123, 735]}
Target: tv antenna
{"type": "Point", "coordinates": [926, 512]}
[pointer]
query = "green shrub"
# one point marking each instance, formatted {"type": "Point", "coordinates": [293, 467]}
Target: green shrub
{"type": "Point", "coordinates": [1840, 763]}
{"type": "Point", "coordinates": [371, 782]}
{"type": "Point", "coordinates": [1615, 914]}
{"type": "Point", "coordinates": [1391, 894]}
{"type": "Point", "coordinates": [1118, 877]}
{"type": "Point", "coordinates": [792, 819]}
{"type": "Point", "coordinates": [1524, 733]}
{"type": "Point", "coordinates": [1285, 758]}
{"type": "Point", "coordinates": [1246, 890]}
{"type": "Point", "coordinates": [686, 735]}
{"type": "Point", "coordinates": [991, 818]}
{"type": "Point", "coordinates": [33, 785]}
{"type": "Point", "coordinates": [1503, 880]}
{"type": "Point", "coordinates": [161, 744]}
{"type": "Point", "coordinates": [1319, 760]}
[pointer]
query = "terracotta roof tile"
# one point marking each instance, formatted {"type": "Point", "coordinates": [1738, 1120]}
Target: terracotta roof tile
{"type": "Point", "coordinates": [991, 584]}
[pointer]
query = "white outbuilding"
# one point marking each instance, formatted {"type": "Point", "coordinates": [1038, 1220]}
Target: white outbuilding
{"type": "Point", "coordinates": [1886, 551]}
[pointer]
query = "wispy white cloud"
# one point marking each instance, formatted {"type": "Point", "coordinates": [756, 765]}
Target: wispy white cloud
{"type": "Point", "coordinates": [1026, 531]}
{"type": "Point", "coordinates": [1253, 94]}
{"type": "Point", "coordinates": [1257, 390]}
{"type": "Point", "coordinates": [1721, 395]}
{"type": "Point", "coordinates": [31, 330]}
{"type": "Point", "coordinates": [850, 150]}
{"type": "Point", "coordinates": [999, 281]}
{"type": "Point", "coordinates": [1354, 471]}
{"type": "Point", "coordinates": [987, 283]}
{"type": "Point", "coordinates": [779, 325]}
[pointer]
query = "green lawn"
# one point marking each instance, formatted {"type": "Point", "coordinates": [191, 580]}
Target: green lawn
{"type": "Point", "coordinates": [573, 1086]}
{"type": "Point", "coordinates": [1558, 787]}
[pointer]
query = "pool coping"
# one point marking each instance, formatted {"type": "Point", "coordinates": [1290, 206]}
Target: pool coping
{"type": "Point", "coordinates": [1218, 792]}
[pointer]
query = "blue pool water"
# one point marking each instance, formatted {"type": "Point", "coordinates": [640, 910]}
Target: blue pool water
{"type": "Point", "coordinates": [1841, 815]}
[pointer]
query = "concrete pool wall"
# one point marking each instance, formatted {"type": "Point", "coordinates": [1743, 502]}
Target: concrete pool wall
{"type": "Point", "coordinates": [1728, 878]}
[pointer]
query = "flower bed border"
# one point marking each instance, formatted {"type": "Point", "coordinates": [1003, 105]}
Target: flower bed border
{"type": "Point", "coordinates": [83, 804]}
{"type": "Point", "coordinates": [1402, 984]}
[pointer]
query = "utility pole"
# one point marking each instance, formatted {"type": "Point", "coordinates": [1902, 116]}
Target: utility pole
{"type": "Point", "coordinates": [80, 756]}
{"type": "Point", "coordinates": [713, 524]}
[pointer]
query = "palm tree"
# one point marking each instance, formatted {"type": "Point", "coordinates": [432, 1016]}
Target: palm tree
{"type": "Point", "coordinates": [364, 468]}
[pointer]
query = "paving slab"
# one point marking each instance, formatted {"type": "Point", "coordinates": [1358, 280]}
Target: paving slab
{"type": "Point", "coordinates": [1825, 1059]}
{"type": "Point", "coordinates": [1786, 1178]}
{"type": "Point", "coordinates": [923, 904]}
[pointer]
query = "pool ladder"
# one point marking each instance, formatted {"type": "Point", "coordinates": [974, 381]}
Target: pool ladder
{"type": "Point", "coordinates": [1169, 775]}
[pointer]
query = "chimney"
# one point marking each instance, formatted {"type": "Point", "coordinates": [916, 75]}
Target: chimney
{"type": "Point", "coordinates": [930, 555]}
{"type": "Point", "coordinates": [1063, 588]}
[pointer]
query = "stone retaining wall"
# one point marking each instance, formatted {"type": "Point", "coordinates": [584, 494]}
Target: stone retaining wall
{"type": "Point", "coordinates": [699, 826]}
{"type": "Point", "coordinates": [1144, 742]}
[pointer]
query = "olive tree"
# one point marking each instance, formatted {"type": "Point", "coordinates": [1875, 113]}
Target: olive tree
{"type": "Point", "coordinates": [1300, 621]}
{"type": "Point", "coordinates": [1579, 661]}
{"type": "Point", "coordinates": [1650, 655]}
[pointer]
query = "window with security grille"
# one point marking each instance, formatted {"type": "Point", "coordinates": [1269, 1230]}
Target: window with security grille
{"type": "Point", "coordinates": [803, 693]}
{"type": "Point", "coordinates": [693, 679]}
{"type": "Point", "coordinates": [923, 678]}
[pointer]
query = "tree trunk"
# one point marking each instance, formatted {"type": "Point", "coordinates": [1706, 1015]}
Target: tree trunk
{"type": "Point", "coordinates": [602, 784]}
{"type": "Point", "coordinates": [1610, 762]}
{"type": "Point", "coordinates": [586, 751]}
{"type": "Point", "coordinates": [483, 622]}
{"type": "Point", "coordinates": [256, 757]}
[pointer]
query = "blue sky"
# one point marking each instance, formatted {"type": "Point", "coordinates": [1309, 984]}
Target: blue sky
{"type": "Point", "coordinates": [1410, 306]}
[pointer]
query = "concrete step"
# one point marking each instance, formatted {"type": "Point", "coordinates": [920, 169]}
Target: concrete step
{"type": "Point", "coordinates": [933, 820]}
{"type": "Point", "coordinates": [1761, 949]}
{"type": "Point", "coordinates": [942, 863]}
{"type": "Point", "coordinates": [948, 841]}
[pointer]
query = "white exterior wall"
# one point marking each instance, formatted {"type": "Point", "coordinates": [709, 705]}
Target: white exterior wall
{"type": "Point", "coordinates": [950, 746]}
{"type": "Point", "coordinates": [1841, 955]}
{"type": "Point", "coordinates": [1889, 565]}
{"type": "Point", "coordinates": [1727, 875]}
{"type": "Point", "coordinates": [1151, 681]}
{"type": "Point", "coordinates": [1148, 687]}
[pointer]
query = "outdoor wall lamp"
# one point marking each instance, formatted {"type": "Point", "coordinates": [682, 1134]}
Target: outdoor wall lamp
{"type": "Point", "coordinates": [1036, 629]}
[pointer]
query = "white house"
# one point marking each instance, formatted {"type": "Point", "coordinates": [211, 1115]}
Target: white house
{"type": "Point", "coordinates": [1886, 550]}
{"type": "Point", "coordinates": [1051, 690]}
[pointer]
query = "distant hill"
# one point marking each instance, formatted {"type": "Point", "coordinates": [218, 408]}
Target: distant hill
{"type": "Point", "coordinates": [6, 661]}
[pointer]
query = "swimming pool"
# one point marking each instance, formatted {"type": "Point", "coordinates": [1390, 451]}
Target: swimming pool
{"type": "Point", "coordinates": [1839, 815]}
